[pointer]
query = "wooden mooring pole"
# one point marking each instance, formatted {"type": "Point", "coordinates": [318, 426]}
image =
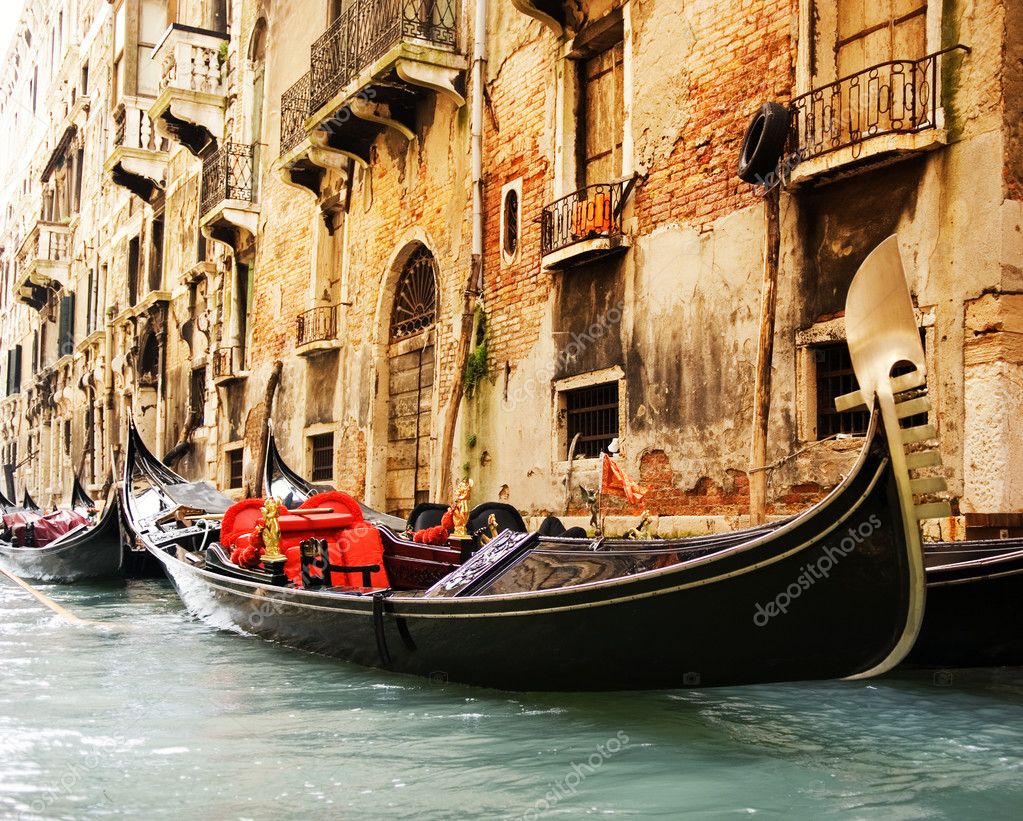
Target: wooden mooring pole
{"type": "Point", "coordinates": [765, 355]}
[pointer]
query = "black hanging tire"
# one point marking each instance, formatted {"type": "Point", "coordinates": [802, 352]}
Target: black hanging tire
{"type": "Point", "coordinates": [764, 143]}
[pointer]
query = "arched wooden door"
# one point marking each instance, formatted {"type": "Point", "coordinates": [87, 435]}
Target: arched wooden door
{"type": "Point", "coordinates": [411, 367]}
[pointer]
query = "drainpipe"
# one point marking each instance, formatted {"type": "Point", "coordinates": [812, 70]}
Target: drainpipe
{"type": "Point", "coordinates": [475, 284]}
{"type": "Point", "coordinates": [479, 60]}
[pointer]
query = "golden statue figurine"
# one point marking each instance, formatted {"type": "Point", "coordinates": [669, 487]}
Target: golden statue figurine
{"type": "Point", "coordinates": [270, 531]}
{"type": "Point", "coordinates": [460, 508]}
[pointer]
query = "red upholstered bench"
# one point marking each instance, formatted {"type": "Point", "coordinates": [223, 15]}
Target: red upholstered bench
{"type": "Point", "coordinates": [351, 541]}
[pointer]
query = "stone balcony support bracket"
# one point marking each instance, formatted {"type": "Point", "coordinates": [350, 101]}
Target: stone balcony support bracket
{"type": "Point", "coordinates": [192, 101]}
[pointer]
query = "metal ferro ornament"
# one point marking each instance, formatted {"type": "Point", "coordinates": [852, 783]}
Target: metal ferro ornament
{"type": "Point", "coordinates": [271, 530]}
{"type": "Point", "coordinates": [460, 508]}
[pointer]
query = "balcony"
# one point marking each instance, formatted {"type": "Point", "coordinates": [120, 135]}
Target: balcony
{"type": "Point", "coordinates": [372, 67]}
{"type": "Point", "coordinates": [192, 100]}
{"type": "Point", "coordinates": [228, 365]}
{"type": "Point", "coordinates": [228, 193]}
{"type": "Point", "coordinates": [549, 12]}
{"type": "Point", "coordinates": [138, 160]}
{"type": "Point", "coordinates": [316, 330]}
{"type": "Point", "coordinates": [870, 118]}
{"type": "Point", "coordinates": [585, 225]}
{"type": "Point", "coordinates": [42, 263]}
{"type": "Point", "coordinates": [302, 163]}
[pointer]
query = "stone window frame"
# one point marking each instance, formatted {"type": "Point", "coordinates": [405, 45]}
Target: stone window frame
{"type": "Point", "coordinates": [805, 48]}
{"type": "Point", "coordinates": [231, 448]}
{"type": "Point", "coordinates": [516, 187]}
{"type": "Point", "coordinates": [828, 331]}
{"type": "Point", "coordinates": [311, 431]}
{"type": "Point", "coordinates": [566, 132]}
{"type": "Point", "coordinates": [559, 390]}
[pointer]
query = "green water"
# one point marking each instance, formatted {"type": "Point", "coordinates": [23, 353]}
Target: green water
{"type": "Point", "coordinates": [172, 719]}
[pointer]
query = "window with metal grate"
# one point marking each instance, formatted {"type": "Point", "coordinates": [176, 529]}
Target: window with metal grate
{"type": "Point", "coordinates": [592, 412]}
{"type": "Point", "coordinates": [322, 447]}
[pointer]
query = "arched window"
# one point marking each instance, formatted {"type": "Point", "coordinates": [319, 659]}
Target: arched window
{"type": "Point", "coordinates": [415, 301]}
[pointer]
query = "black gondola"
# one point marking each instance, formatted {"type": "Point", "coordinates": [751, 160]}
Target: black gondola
{"type": "Point", "coordinates": [86, 552]}
{"type": "Point", "coordinates": [974, 605]}
{"type": "Point", "coordinates": [837, 591]}
{"type": "Point", "coordinates": [281, 481]}
{"type": "Point", "coordinates": [149, 491]}
{"type": "Point", "coordinates": [80, 499]}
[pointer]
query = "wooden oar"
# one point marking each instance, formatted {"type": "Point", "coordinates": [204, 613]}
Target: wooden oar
{"type": "Point", "coordinates": [65, 614]}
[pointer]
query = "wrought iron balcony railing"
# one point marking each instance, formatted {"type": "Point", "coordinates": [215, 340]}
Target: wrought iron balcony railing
{"type": "Point", "coordinates": [317, 325]}
{"type": "Point", "coordinates": [896, 97]}
{"type": "Point", "coordinates": [589, 213]}
{"type": "Point", "coordinates": [294, 111]}
{"type": "Point", "coordinates": [366, 31]}
{"type": "Point", "coordinates": [227, 361]}
{"type": "Point", "coordinates": [227, 174]}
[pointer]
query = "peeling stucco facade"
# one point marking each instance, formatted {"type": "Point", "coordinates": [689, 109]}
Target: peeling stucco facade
{"type": "Point", "coordinates": [278, 305]}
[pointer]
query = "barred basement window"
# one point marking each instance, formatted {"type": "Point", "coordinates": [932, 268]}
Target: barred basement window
{"type": "Point", "coordinates": [322, 446]}
{"type": "Point", "coordinates": [235, 463]}
{"type": "Point", "coordinates": [592, 412]}
{"type": "Point", "coordinates": [835, 377]}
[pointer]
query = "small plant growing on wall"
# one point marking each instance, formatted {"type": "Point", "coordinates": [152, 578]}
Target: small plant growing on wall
{"type": "Point", "coordinates": [476, 363]}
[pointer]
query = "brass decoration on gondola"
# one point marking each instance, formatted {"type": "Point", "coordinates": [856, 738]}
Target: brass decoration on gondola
{"type": "Point", "coordinates": [270, 531]}
{"type": "Point", "coordinates": [460, 508]}
{"type": "Point", "coordinates": [486, 534]}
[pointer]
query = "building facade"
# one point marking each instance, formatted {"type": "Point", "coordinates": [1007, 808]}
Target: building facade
{"type": "Point", "coordinates": [434, 238]}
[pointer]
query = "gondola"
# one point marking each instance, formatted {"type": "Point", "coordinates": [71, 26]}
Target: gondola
{"type": "Point", "coordinates": [837, 591]}
{"type": "Point", "coordinates": [85, 552]}
{"type": "Point", "coordinates": [281, 481]}
{"type": "Point", "coordinates": [80, 499]}
{"type": "Point", "coordinates": [974, 605]}
{"type": "Point", "coordinates": [6, 505]}
{"type": "Point", "coordinates": [149, 491]}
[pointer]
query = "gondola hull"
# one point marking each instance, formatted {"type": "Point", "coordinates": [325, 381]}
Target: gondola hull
{"type": "Point", "coordinates": [974, 613]}
{"type": "Point", "coordinates": [752, 613]}
{"type": "Point", "coordinates": [91, 553]}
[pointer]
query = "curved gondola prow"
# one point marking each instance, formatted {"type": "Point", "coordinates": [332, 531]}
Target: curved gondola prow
{"type": "Point", "coordinates": [79, 496]}
{"type": "Point", "coordinates": [882, 333]}
{"type": "Point", "coordinates": [275, 467]}
{"type": "Point", "coordinates": [28, 503]}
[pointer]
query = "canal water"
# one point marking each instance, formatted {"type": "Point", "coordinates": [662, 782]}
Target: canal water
{"type": "Point", "coordinates": [169, 718]}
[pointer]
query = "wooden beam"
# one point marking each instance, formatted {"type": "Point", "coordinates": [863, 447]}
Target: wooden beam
{"type": "Point", "coordinates": [765, 355]}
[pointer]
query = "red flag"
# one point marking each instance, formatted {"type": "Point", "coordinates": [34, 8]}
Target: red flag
{"type": "Point", "coordinates": [615, 482]}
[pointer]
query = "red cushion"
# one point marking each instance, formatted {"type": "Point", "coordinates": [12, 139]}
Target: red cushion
{"type": "Point", "coordinates": [240, 518]}
{"type": "Point", "coordinates": [335, 500]}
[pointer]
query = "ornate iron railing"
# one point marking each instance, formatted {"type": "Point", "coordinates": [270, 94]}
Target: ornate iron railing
{"type": "Point", "coordinates": [317, 324]}
{"type": "Point", "coordinates": [590, 212]}
{"type": "Point", "coordinates": [896, 97]}
{"type": "Point", "coordinates": [366, 30]}
{"type": "Point", "coordinates": [227, 361]}
{"type": "Point", "coordinates": [227, 174]}
{"type": "Point", "coordinates": [294, 111]}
